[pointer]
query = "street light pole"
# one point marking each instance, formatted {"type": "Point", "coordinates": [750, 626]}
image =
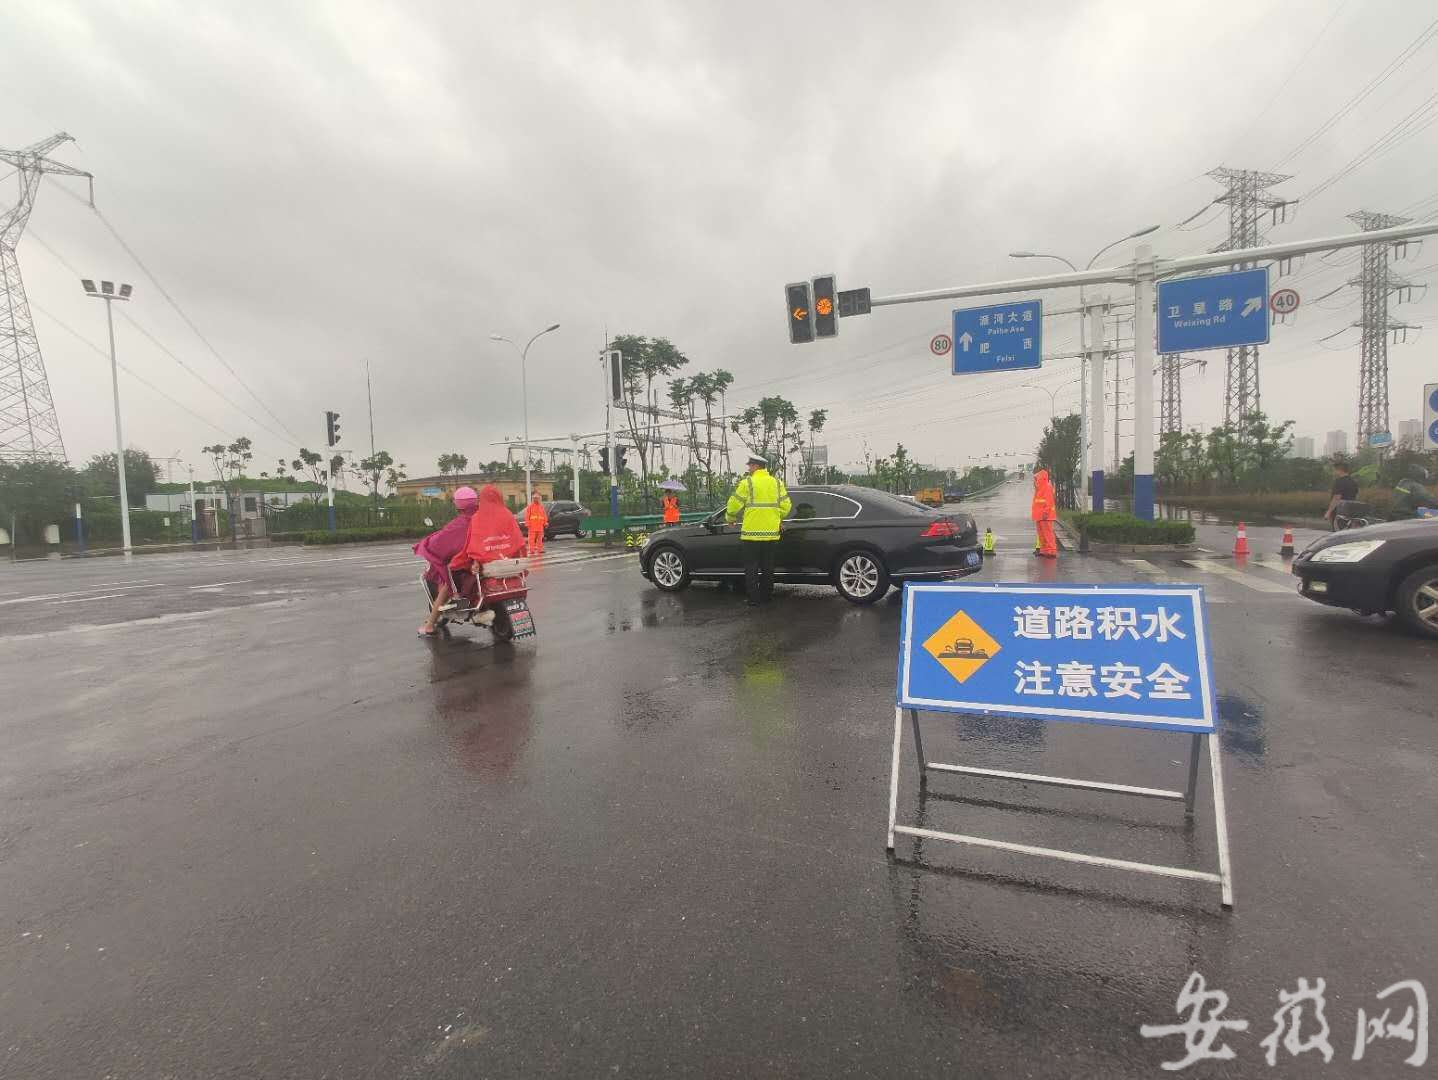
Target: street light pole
{"type": "Point", "coordinates": [1053, 398]}
{"type": "Point", "coordinates": [107, 293]}
{"type": "Point", "coordinates": [524, 398]}
{"type": "Point", "coordinates": [1097, 482]}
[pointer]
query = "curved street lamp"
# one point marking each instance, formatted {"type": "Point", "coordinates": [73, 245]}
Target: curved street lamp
{"type": "Point", "coordinates": [524, 395]}
{"type": "Point", "coordinates": [1083, 337]}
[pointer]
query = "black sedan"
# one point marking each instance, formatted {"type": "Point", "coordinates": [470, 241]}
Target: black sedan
{"type": "Point", "coordinates": [1379, 568]}
{"type": "Point", "coordinates": [564, 517]}
{"type": "Point", "coordinates": [859, 540]}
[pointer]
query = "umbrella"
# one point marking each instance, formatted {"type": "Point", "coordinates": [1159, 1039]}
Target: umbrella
{"type": "Point", "coordinates": [672, 485]}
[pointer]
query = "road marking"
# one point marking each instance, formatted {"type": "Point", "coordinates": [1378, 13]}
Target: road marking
{"type": "Point", "coordinates": [128, 581]}
{"type": "Point", "coordinates": [89, 599]}
{"type": "Point", "coordinates": [1252, 581]}
{"type": "Point", "coordinates": [152, 620]}
{"type": "Point", "coordinates": [398, 562]}
{"type": "Point", "coordinates": [217, 584]}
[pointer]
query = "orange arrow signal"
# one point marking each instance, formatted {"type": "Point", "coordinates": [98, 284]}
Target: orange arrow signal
{"type": "Point", "coordinates": [799, 314]}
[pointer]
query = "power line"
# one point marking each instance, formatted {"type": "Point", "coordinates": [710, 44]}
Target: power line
{"type": "Point", "coordinates": [164, 349]}
{"type": "Point", "coordinates": [1426, 35]}
{"type": "Point", "coordinates": [128, 371]}
{"type": "Point", "coordinates": [183, 315]}
{"type": "Point", "coordinates": [1416, 121]}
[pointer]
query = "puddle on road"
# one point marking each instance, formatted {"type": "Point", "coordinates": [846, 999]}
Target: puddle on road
{"type": "Point", "coordinates": [1241, 728]}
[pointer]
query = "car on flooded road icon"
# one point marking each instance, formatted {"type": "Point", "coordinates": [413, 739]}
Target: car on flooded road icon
{"type": "Point", "coordinates": [963, 649]}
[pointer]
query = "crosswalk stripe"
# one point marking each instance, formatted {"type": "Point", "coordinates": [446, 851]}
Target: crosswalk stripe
{"type": "Point", "coordinates": [1252, 581]}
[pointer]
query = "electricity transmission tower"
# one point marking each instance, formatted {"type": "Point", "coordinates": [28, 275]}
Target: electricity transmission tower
{"type": "Point", "coordinates": [1170, 398]}
{"type": "Point", "coordinates": [1377, 283]}
{"type": "Point", "coordinates": [29, 428]}
{"type": "Point", "coordinates": [1247, 198]}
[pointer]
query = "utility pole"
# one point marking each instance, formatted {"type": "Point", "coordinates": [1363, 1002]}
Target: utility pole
{"type": "Point", "coordinates": [1377, 283]}
{"type": "Point", "coordinates": [1247, 198]}
{"type": "Point", "coordinates": [107, 293]}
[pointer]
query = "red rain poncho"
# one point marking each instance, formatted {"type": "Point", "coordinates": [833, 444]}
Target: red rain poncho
{"type": "Point", "coordinates": [493, 532]}
{"type": "Point", "coordinates": [1042, 508]}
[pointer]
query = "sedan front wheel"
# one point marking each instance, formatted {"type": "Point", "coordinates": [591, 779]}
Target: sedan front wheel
{"type": "Point", "coordinates": [669, 570]}
{"type": "Point", "coordinates": [1417, 601]}
{"type": "Point", "coordinates": [860, 577]}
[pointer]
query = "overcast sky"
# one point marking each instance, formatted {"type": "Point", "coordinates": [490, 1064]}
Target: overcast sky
{"type": "Point", "coordinates": [321, 184]}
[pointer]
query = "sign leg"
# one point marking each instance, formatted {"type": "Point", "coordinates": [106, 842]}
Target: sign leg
{"type": "Point", "coordinates": [1220, 822]}
{"type": "Point", "coordinates": [1194, 750]}
{"type": "Point", "coordinates": [919, 746]}
{"type": "Point", "coordinates": [894, 774]}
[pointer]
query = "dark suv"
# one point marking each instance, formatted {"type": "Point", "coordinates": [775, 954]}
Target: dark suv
{"type": "Point", "coordinates": [564, 518]}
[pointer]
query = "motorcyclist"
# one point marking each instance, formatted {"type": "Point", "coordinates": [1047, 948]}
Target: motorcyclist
{"type": "Point", "coordinates": [493, 534]}
{"type": "Point", "coordinates": [442, 545]}
{"type": "Point", "coordinates": [1409, 494]}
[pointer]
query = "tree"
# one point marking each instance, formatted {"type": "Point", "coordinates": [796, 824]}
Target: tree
{"type": "Point", "coordinates": [38, 493]}
{"type": "Point", "coordinates": [645, 360]}
{"type": "Point", "coordinates": [230, 462]}
{"type": "Point", "coordinates": [373, 468]}
{"type": "Point", "coordinates": [99, 476]}
{"type": "Point", "coordinates": [1059, 453]}
{"type": "Point", "coordinates": [394, 474]}
{"type": "Point", "coordinates": [1265, 444]}
{"type": "Point", "coordinates": [452, 463]}
{"type": "Point", "coordinates": [312, 461]}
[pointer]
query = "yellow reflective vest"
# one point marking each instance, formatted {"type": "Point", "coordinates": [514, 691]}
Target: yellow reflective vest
{"type": "Point", "coordinates": [763, 501]}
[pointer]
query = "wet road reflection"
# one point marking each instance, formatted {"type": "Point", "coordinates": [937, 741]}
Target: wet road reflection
{"type": "Point", "coordinates": [482, 698]}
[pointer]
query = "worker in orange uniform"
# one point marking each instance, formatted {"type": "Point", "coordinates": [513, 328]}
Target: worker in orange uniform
{"type": "Point", "coordinates": [536, 521]}
{"type": "Point", "coordinates": [671, 509]}
{"type": "Point", "coordinates": [1043, 513]}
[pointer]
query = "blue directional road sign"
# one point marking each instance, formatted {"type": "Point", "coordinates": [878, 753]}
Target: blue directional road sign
{"type": "Point", "coordinates": [999, 337]}
{"type": "Point", "coordinates": [1131, 655]}
{"type": "Point", "coordinates": [1214, 311]}
{"type": "Point", "coordinates": [1430, 415]}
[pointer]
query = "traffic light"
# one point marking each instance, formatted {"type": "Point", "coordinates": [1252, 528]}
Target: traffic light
{"type": "Point", "coordinates": [800, 311]}
{"type": "Point", "coordinates": [614, 359]}
{"type": "Point", "coordinates": [826, 311]}
{"type": "Point", "coordinates": [604, 460]}
{"type": "Point", "coordinates": [332, 427]}
{"type": "Point", "coordinates": [623, 453]}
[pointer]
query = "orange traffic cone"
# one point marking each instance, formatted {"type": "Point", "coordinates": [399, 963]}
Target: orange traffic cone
{"type": "Point", "coordinates": [1287, 548]}
{"type": "Point", "coordinates": [1240, 542]}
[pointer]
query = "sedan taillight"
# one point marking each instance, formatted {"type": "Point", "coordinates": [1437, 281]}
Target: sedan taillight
{"type": "Point", "coordinates": [939, 530]}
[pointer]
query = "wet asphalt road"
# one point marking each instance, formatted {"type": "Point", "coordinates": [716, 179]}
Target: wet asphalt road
{"type": "Point", "coordinates": [250, 826]}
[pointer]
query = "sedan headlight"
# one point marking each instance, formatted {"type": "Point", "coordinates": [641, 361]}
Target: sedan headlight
{"type": "Point", "coordinates": [1350, 552]}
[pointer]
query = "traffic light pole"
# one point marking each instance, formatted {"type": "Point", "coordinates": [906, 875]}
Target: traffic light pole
{"type": "Point", "coordinates": [1142, 274]}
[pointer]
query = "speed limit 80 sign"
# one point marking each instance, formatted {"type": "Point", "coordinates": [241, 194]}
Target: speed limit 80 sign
{"type": "Point", "coordinates": [1283, 302]}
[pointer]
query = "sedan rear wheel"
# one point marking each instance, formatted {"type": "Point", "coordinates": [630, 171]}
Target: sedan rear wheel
{"type": "Point", "coordinates": [1417, 601]}
{"type": "Point", "coordinates": [668, 569]}
{"type": "Point", "coordinates": [860, 577]}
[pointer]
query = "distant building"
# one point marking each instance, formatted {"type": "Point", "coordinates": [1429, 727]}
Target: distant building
{"type": "Point", "coordinates": [247, 508]}
{"type": "Point", "coordinates": [1335, 442]}
{"type": "Point", "coordinates": [1410, 434]}
{"type": "Point", "coordinates": [442, 487]}
{"type": "Point", "coordinates": [1303, 446]}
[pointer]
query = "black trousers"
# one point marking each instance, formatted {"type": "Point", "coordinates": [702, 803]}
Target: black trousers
{"type": "Point", "coordinates": [759, 568]}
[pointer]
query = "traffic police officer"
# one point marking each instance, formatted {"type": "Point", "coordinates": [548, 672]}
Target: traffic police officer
{"type": "Point", "coordinates": [763, 502]}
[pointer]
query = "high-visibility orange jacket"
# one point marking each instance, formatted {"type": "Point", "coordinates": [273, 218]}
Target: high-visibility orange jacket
{"type": "Point", "coordinates": [1042, 508]}
{"type": "Point", "coordinates": [671, 510]}
{"type": "Point", "coordinates": [535, 517]}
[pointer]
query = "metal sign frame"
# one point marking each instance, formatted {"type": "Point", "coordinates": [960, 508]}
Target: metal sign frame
{"type": "Point", "coordinates": [1223, 878]}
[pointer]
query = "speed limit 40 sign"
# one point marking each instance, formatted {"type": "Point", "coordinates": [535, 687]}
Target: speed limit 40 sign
{"type": "Point", "coordinates": [1283, 302]}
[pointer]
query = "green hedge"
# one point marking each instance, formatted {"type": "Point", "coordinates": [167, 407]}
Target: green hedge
{"type": "Point", "coordinates": [355, 536]}
{"type": "Point", "coordinates": [1115, 528]}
